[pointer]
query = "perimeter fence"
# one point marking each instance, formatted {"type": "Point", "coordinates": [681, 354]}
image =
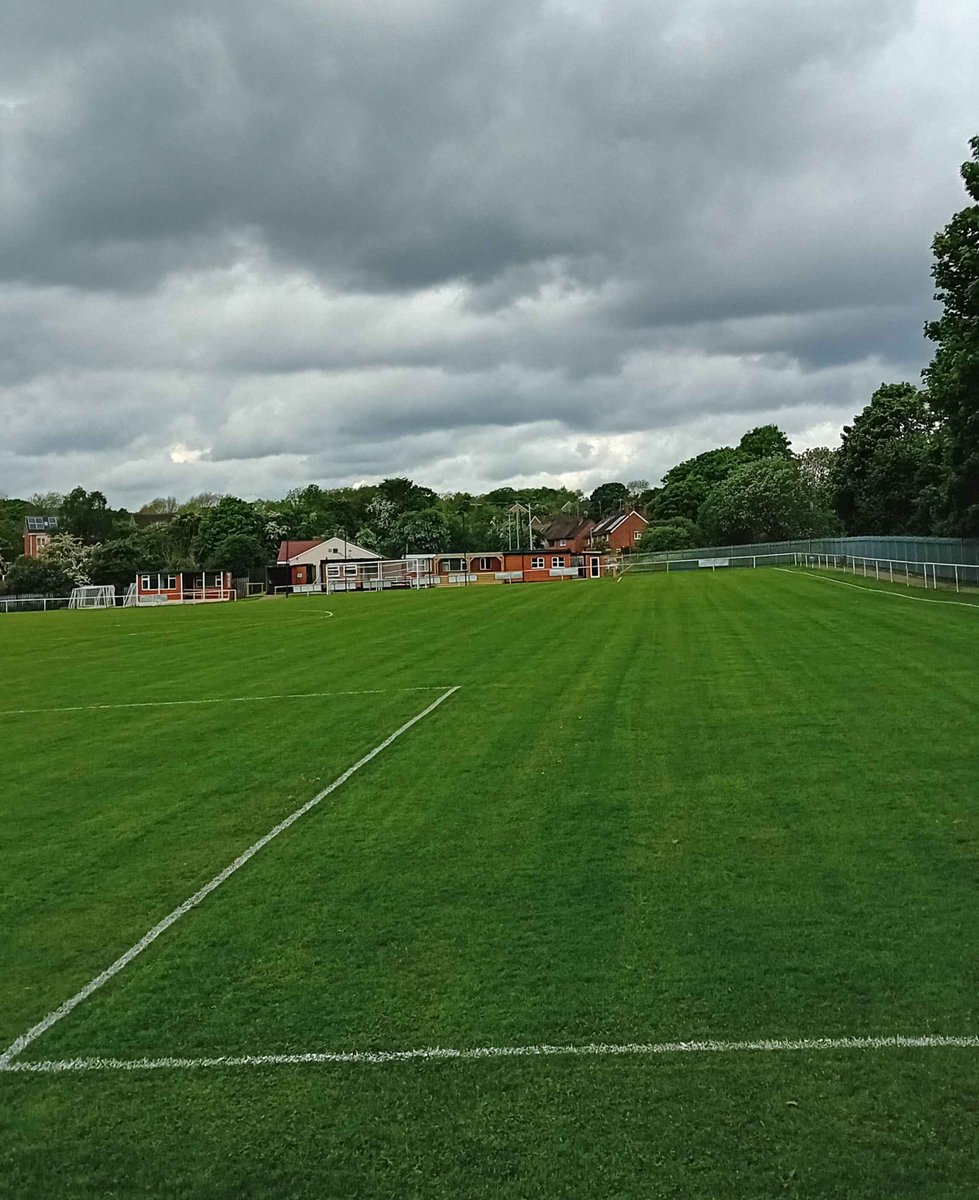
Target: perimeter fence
{"type": "Point", "coordinates": [952, 562]}
{"type": "Point", "coordinates": [31, 603]}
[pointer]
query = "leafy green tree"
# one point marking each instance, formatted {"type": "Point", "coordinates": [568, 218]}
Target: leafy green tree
{"type": "Point", "coordinates": [239, 553]}
{"type": "Point", "coordinates": [762, 501]}
{"type": "Point", "coordinates": [816, 467]}
{"type": "Point", "coordinates": [876, 480]}
{"type": "Point", "coordinates": [38, 577]}
{"type": "Point", "coordinates": [230, 518]}
{"type": "Point", "coordinates": [86, 515]}
{"type": "Point", "coordinates": [120, 560]}
{"type": "Point", "coordinates": [181, 535]}
{"type": "Point", "coordinates": [687, 485]}
{"type": "Point", "coordinates": [766, 441]}
{"type": "Point", "coordinates": [12, 514]}
{"type": "Point", "coordinates": [405, 495]}
{"type": "Point", "coordinates": [607, 498]}
{"type": "Point", "coordinates": [678, 534]}
{"type": "Point", "coordinates": [366, 537]}
{"type": "Point", "coordinates": [953, 376]}
{"type": "Point", "coordinates": [425, 532]}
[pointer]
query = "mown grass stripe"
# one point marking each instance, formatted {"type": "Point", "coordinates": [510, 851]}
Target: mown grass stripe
{"type": "Point", "coordinates": [21, 1043]}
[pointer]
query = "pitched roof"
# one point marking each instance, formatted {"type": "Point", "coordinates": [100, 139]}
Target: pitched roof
{"type": "Point", "coordinates": [292, 549]}
{"type": "Point", "coordinates": [36, 524]}
{"type": "Point", "coordinates": [335, 548]}
{"type": "Point", "coordinates": [611, 523]}
{"type": "Point", "coordinates": [565, 527]}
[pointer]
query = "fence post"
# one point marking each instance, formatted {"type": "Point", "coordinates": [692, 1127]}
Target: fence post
{"type": "Point", "coordinates": [754, 560]}
{"type": "Point", "coordinates": [956, 576]}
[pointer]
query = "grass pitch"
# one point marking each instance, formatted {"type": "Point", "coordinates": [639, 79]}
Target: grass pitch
{"type": "Point", "coordinates": [733, 808]}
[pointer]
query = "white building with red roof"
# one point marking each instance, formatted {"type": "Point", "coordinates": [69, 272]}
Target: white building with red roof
{"type": "Point", "coordinates": [313, 562]}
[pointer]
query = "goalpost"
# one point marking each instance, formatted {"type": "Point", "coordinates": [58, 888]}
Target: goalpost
{"type": "Point", "coordinates": [93, 596]}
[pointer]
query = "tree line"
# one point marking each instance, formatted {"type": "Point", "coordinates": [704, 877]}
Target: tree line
{"type": "Point", "coordinates": [908, 464]}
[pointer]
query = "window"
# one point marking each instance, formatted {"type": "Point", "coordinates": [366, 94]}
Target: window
{"type": "Point", "coordinates": [557, 561]}
{"type": "Point", "coordinates": [537, 564]}
{"type": "Point", "coordinates": [637, 535]}
{"type": "Point", "coordinates": [484, 564]}
{"type": "Point", "coordinates": [333, 570]}
{"type": "Point", "coordinates": [350, 568]}
{"type": "Point", "coordinates": [563, 542]}
{"type": "Point", "coordinates": [144, 583]}
{"type": "Point", "coordinates": [171, 583]}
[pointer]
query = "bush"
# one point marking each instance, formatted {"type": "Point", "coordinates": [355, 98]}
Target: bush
{"type": "Point", "coordinates": [38, 577]}
{"type": "Point", "coordinates": [678, 534]}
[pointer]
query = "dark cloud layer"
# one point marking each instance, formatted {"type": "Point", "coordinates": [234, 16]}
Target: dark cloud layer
{"type": "Point", "coordinates": [243, 246]}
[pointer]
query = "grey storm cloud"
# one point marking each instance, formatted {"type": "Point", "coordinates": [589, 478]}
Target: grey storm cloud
{"type": "Point", "coordinates": [245, 246]}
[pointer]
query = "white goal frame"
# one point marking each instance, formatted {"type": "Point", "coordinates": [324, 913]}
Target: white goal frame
{"type": "Point", "coordinates": [102, 595]}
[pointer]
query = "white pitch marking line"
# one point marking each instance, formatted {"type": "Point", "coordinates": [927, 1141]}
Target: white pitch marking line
{"type": "Point", "coordinates": [380, 1057]}
{"type": "Point", "coordinates": [24, 712]}
{"type": "Point", "coordinates": [147, 939]}
{"type": "Point", "coordinates": [877, 591]}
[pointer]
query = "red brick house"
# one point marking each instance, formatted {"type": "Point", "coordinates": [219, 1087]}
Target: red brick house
{"type": "Point", "coordinates": [37, 534]}
{"type": "Point", "coordinates": [567, 533]}
{"type": "Point", "coordinates": [620, 532]}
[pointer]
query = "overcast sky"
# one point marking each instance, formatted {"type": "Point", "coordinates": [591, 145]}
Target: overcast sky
{"type": "Point", "coordinates": [248, 245]}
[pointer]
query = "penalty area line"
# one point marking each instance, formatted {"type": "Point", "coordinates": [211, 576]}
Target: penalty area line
{"type": "Point", "coordinates": [858, 587]}
{"type": "Point", "coordinates": [32, 1034]}
{"type": "Point", "coordinates": [588, 1050]}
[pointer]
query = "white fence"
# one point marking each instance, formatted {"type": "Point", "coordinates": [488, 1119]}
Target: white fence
{"type": "Point", "coordinates": [13, 604]}
{"type": "Point", "coordinates": [891, 570]}
{"type": "Point", "coordinates": [898, 570]}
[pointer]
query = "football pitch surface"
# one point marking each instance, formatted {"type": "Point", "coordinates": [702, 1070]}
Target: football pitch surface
{"type": "Point", "coordinates": [665, 887]}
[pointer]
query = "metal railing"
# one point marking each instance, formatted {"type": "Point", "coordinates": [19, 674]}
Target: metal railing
{"type": "Point", "coordinates": [28, 603]}
{"type": "Point", "coordinates": [909, 571]}
{"type": "Point", "coordinates": [931, 573]}
{"type": "Point", "coordinates": [901, 549]}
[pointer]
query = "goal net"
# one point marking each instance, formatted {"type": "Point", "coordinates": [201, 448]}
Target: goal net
{"type": "Point", "coordinates": [93, 596]}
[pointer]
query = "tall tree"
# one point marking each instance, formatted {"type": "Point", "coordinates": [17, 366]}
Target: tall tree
{"type": "Point", "coordinates": [406, 495]}
{"type": "Point", "coordinates": [231, 530]}
{"type": "Point", "coordinates": [86, 515]}
{"type": "Point", "coordinates": [687, 485]}
{"type": "Point", "coordinates": [874, 473]}
{"type": "Point", "coordinates": [607, 498]}
{"type": "Point", "coordinates": [953, 376]}
{"type": "Point", "coordinates": [765, 441]}
{"type": "Point", "coordinates": [762, 501]}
